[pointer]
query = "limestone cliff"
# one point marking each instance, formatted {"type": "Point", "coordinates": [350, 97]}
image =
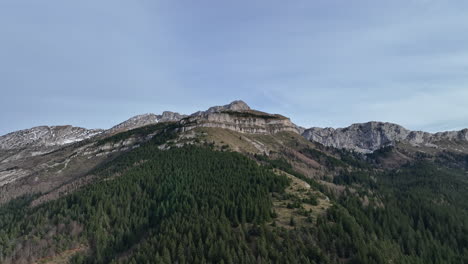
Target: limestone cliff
{"type": "Point", "coordinates": [239, 117]}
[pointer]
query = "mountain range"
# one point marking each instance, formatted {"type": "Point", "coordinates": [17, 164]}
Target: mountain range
{"type": "Point", "coordinates": [238, 116]}
{"type": "Point", "coordinates": [319, 195]}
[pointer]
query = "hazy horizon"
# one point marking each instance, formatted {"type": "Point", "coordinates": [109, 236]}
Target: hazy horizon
{"type": "Point", "coordinates": [320, 63]}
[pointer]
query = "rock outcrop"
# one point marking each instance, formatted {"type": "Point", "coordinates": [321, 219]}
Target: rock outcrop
{"type": "Point", "coordinates": [168, 116]}
{"type": "Point", "coordinates": [461, 135]}
{"type": "Point", "coordinates": [134, 122]}
{"type": "Point", "coordinates": [239, 117]}
{"type": "Point", "coordinates": [370, 136]}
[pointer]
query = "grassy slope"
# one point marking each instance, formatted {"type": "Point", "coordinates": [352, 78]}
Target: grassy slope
{"type": "Point", "coordinates": [300, 201]}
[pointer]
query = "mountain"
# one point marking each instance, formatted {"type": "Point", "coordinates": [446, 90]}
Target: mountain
{"type": "Point", "coordinates": [144, 120]}
{"type": "Point", "coordinates": [233, 185]}
{"type": "Point", "coordinates": [43, 139]}
{"type": "Point", "coordinates": [44, 158]}
{"type": "Point", "coordinates": [134, 122]}
{"type": "Point", "coordinates": [371, 136]}
{"type": "Point", "coordinates": [29, 156]}
{"type": "Point", "coordinates": [168, 116]}
{"type": "Point", "coordinates": [46, 136]}
{"type": "Point", "coordinates": [237, 105]}
{"type": "Point", "coordinates": [238, 116]}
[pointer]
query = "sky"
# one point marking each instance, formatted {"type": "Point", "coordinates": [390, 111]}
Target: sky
{"type": "Point", "coordinates": [325, 63]}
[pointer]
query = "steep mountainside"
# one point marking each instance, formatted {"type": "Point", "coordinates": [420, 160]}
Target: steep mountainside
{"type": "Point", "coordinates": [34, 170]}
{"type": "Point", "coordinates": [236, 185]}
{"type": "Point", "coordinates": [371, 136]}
{"type": "Point", "coordinates": [64, 168]}
{"type": "Point", "coordinates": [42, 158]}
{"type": "Point", "coordinates": [50, 137]}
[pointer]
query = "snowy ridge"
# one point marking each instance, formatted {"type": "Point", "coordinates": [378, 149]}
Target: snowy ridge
{"type": "Point", "coordinates": [46, 136]}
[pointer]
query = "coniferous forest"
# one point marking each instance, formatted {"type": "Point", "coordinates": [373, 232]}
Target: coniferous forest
{"type": "Point", "coordinates": [195, 204]}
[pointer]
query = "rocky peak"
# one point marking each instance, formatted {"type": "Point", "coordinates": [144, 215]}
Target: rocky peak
{"type": "Point", "coordinates": [362, 137]}
{"type": "Point", "coordinates": [46, 136]}
{"type": "Point", "coordinates": [461, 135]}
{"type": "Point", "coordinates": [238, 116]}
{"type": "Point", "coordinates": [168, 116]}
{"type": "Point", "coordinates": [144, 120]}
{"type": "Point", "coordinates": [134, 122]}
{"type": "Point", "coordinates": [237, 105]}
{"type": "Point", "coordinates": [370, 136]}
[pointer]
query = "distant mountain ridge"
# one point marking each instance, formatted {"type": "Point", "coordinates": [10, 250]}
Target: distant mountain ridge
{"type": "Point", "coordinates": [238, 116]}
{"type": "Point", "coordinates": [56, 136]}
{"type": "Point", "coordinates": [370, 136]}
{"type": "Point", "coordinates": [46, 136]}
{"type": "Point", "coordinates": [146, 119]}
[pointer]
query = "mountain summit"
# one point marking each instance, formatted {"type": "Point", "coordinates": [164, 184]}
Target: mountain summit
{"type": "Point", "coordinates": [238, 116]}
{"type": "Point", "coordinates": [237, 105]}
{"type": "Point", "coordinates": [144, 120]}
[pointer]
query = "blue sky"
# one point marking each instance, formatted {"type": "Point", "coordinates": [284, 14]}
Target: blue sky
{"type": "Point", "coordinates": [320, 62]}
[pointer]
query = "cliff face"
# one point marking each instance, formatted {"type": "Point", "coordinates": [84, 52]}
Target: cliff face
{"type": "Point", "coordinates": [239, 117]}
{"type": "Point", "coordinates": [370, 136]}
{"type": "Point", "coordinates": [461, 135]}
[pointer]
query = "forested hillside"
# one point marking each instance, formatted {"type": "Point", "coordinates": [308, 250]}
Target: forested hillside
{"type": "Point", "coordinates": [195, 204]}
{"type": "Point", "coordinates": [186, 205]}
